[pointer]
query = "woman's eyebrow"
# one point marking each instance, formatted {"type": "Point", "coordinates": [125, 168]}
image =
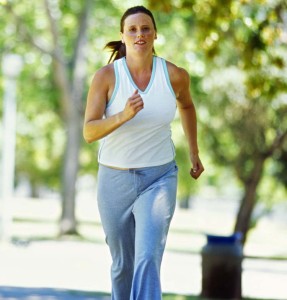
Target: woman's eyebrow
{"type": "Point", "coordinates": [131, 25]}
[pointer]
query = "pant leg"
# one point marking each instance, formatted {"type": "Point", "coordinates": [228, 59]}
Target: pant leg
{"type": "Point", "coordinates": [153, 211]}
{"type": "Point", "coordinates": [116, 196]}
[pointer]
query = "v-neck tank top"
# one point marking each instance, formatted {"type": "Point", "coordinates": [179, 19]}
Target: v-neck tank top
{"type": "Point", "coordinates": [145, 140]}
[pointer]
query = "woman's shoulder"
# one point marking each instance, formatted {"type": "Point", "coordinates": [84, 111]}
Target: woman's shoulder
{"type": "Point", "coordinates": [105, 71]}
{"type": "Point", "coordinates": [104, 75]}
{"type": "Point", "coordinates": [178, 75]}
{"type": "Point", "coordinates": [175, 70]}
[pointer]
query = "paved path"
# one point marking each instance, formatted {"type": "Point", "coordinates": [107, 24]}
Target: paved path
{"type": "Point", "coordinates": [51, 270]}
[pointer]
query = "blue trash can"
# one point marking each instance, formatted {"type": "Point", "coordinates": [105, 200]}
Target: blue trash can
{"type": "Point", "coordinates": [222, 267]}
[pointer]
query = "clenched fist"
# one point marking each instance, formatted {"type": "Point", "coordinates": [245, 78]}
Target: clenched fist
{"type": "Point", "coordinates": [134, 105]}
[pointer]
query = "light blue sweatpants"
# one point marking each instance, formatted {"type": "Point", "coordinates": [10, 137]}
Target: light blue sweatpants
{"type": "Point", "coordinates": [136, 207]}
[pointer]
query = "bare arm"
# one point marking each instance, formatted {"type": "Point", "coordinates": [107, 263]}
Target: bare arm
{"type": "Point", "coordinates": [95, 127]}
{"type": "Point", "coordinates": [181, 84]}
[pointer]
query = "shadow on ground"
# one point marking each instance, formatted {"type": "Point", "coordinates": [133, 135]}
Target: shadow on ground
{"type": "Point", "coordinates": [20, 293]}
{"type": "Point", "coordinates": [23, 293]}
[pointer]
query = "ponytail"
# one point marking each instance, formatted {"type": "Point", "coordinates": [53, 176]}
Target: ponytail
{"type": "Point", "coordinates": [117, 48]}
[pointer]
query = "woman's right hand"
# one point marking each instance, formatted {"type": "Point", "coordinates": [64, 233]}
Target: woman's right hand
{"type": "Point", "coordinates": [133, 106]}
{"type": "Point", "coordinates": [97, 127]}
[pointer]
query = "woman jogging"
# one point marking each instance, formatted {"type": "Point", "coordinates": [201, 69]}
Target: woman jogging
{"type": "Point", "coordinates": [130, 106]}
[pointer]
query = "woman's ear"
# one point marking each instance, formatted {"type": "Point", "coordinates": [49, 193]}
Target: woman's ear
{"type": "Point", "coordinates": [122, 37]}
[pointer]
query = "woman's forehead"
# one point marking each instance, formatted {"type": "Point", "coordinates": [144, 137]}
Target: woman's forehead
{"type": "Point", "coordinates": [138, 19]}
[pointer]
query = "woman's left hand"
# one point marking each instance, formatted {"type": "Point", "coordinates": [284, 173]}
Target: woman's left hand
{"type": "Point", "coordinates": [197, 167]}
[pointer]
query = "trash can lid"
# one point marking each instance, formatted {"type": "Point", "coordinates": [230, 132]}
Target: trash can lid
{"type": "Point", "coordinates": [218, 239]}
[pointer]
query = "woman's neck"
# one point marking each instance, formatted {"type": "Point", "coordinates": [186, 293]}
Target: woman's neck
{"type": "Point", "coordinates": [139, 64]}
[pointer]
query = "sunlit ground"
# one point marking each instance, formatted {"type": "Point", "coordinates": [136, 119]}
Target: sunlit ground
{"type": "Point", "coordinates": [36, 258]}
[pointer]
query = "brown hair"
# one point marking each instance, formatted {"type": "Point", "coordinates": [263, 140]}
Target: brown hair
{"type": "Point", "coordinates": [118, 48]}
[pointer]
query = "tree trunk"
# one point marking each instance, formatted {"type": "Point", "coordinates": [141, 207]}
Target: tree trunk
{"type": "Point", "coordinates": [249, 199]}
{"type": "Point", "coordinates": [34, 192]}
{"type": "Point", "coordinates": [68, 223]}
{"type": "Point", "coordinates": [72, 90]}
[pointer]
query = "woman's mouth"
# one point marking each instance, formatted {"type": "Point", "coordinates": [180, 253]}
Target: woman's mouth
{"type": "Point", "coordinates": [140, 42]}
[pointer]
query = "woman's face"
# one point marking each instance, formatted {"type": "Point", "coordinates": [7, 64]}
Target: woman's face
{"type": "Point", "coordinates": [138, 32]}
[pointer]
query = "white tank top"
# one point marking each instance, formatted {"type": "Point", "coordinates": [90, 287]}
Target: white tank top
{"type": "Point", "coordinates": [145, 140]}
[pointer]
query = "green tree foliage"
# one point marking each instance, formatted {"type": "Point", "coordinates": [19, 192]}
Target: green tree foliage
{"type": "Point", "coordinates": [235, 52]}
{"type": "Point", "coordinates": [37, 120]}
{"type": "Point", "coordinates": [52, 36]}
{"type": "Point", "coordinates": [243, 47]}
